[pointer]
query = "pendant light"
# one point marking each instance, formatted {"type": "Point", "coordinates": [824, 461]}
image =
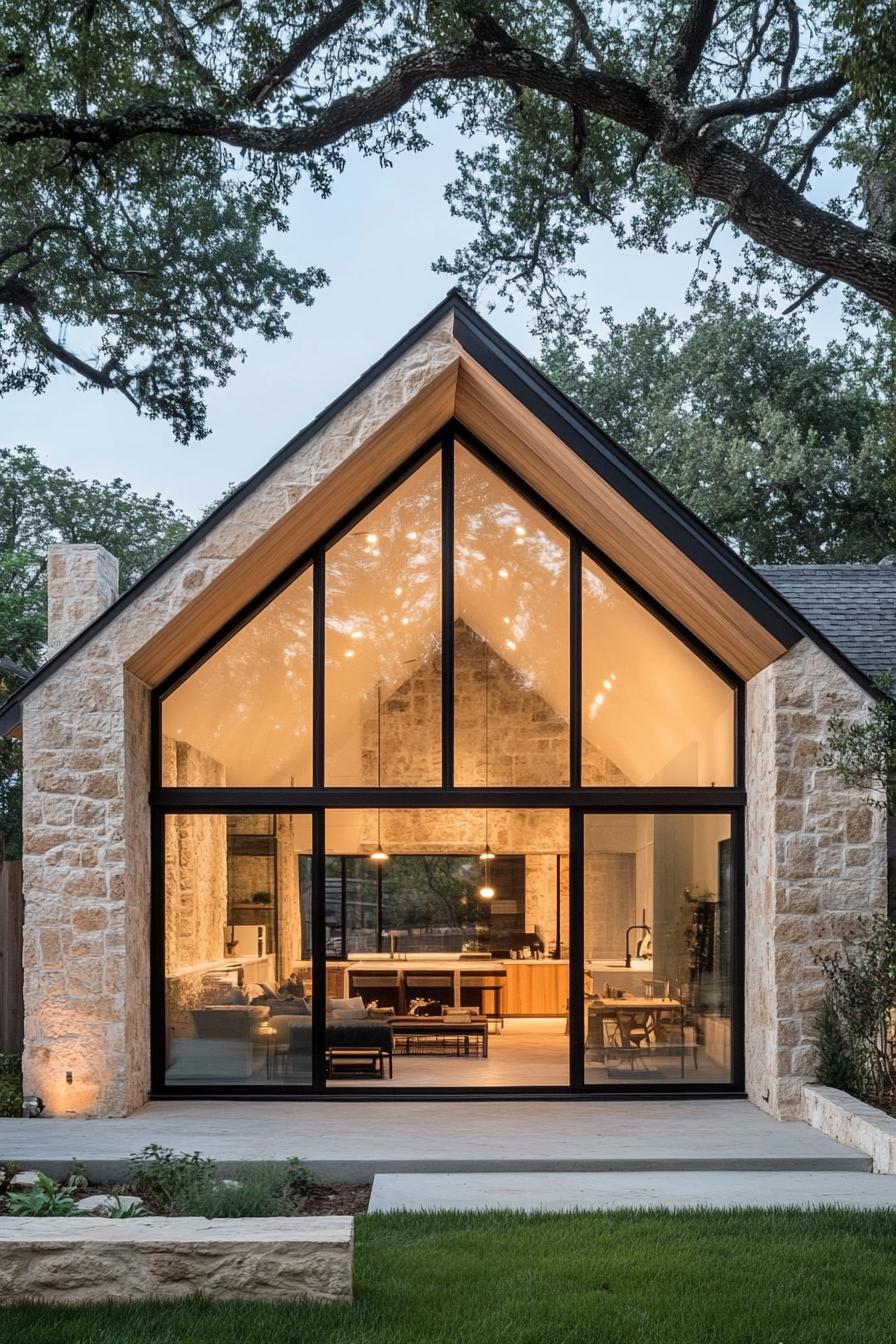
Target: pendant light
{"type": "Point", "coordinates": [379, 855]}
{"type": "Point", "coordinates": [486, 891]}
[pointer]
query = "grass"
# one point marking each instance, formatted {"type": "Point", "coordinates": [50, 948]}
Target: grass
{"type": "Point", "coordinates": [777, 1277]}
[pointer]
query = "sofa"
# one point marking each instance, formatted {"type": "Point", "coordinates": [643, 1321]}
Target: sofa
{"type": "Point", "coordinates": [226, 1046]}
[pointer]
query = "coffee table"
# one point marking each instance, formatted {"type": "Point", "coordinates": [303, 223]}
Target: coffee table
{"type": "Point", "coordinates": [437, 1029]}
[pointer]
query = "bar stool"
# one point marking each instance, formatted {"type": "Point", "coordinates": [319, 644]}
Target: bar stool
{"type": "Point", "coordinates": [476, 985]}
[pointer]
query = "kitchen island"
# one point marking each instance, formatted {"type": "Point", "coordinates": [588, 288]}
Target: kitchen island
{"type": "Point", "coordinates": [531, 988]}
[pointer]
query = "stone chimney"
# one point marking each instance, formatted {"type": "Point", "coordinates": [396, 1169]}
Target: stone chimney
{"type": "Point", "coordinates": [82, 581]}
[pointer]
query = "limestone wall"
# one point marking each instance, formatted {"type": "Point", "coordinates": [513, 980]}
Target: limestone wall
{"type": "Point", "coordinates": [82, 581]}
{"type": "Point", "coordinates": [816, 866]}
{"type": "Point", "coordinates": [86, 776]}
{"type": "Point", "coordinates": [528, 739]}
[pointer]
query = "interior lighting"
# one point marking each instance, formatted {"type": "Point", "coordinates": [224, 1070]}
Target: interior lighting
{"type": "Point", "coordinates": [510, 644]}
{"type": "Point", "coordinates": [405, 620]}
{"type": "Point", "coordinates": [506, 620]}
{"type": "Point", "coordinates": [502, 573]}
{"type": "Point", "coordinates": [486, 892]}
{"type": "Point", "coordinates": [371, 538]}
{"type": "Point", "coordinates": [349, 653]}
{"type": "Point", "coordinates": [379, 855]}
{"type": "Point", "coordinates": [520, 530]}
{"type": "Point", "coordinates": [357, 634]}
{"type": "Point", "coordinates": [398, 591]}
{"type": "Point", "coordinates": [412, 536]}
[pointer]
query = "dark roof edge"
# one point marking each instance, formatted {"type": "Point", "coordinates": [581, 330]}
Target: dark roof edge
{"type": "Point", "coordinates": [634, 482]}
{"type": "Point", "coordinates": [558, 412]}
{"type": "Point", "coordinates": [435, 315]}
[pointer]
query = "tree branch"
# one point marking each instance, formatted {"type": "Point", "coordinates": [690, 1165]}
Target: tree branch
{"type": "Point", "coordinates": [805, 296]}
{"type": "Point", "coordinates": [781, 98]}
{"type": "Point", "coordinates": [689, 44]}
{"type": "Point", "coordinates": [758, 200]}
{"type": "Point", "coordinates": [300, 50]}
{"type": "Point", "coordinates": [807, 157]}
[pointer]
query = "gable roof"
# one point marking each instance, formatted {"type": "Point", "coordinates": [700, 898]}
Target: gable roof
{"type": "Point", "coordinates": [502, 397]}
{"type": "Point", "coordinates": [854, 606]}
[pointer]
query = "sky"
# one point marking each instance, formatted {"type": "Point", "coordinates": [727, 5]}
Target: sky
{"type": "Point", "coordinates": [376, 236]}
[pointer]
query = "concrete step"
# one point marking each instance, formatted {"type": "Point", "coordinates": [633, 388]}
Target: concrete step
{"type": "Point", "coordinates": [563, 1192]}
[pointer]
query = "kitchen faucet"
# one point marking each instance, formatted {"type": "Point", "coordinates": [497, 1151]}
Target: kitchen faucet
{"type": "Point", "coordinates": [631, 928]}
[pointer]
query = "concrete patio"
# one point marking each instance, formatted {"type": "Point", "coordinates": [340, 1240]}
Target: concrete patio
{"type": "Point", "coordinates": [356, 1140]}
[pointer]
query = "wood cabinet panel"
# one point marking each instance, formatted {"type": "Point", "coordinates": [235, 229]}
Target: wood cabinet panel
{"type": "Point", "coordinates": [536, 988]}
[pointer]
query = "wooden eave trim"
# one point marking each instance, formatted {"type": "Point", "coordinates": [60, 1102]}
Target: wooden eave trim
{"type": "Point", "coordinates": [617, 527]}
{"type": "Point", "coordinates": [322, 508]}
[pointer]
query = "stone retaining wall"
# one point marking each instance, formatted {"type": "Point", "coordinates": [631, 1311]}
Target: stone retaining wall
{"type": "Point", "coordinates": [72, 1260]}
{"type": "Point", "coordinates": [852, 1122]}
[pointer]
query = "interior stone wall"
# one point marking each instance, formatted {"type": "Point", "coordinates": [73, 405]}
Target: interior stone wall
{"type": "Point", "coordinates": [86, 781]}
{"type": "Point", "coordinates": [528, 740]}
{"type": "Point", "coordinates": [816, 866]}
{"type": "Point", "coordinates": [528, 745]}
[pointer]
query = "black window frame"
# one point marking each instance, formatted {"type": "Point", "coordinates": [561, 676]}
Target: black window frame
{"type": "Point", "coordinates": [315, 800]}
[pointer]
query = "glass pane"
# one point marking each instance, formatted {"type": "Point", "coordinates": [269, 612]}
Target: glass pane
{"type": "Point", "coordinates": [511, 636]}
{"type": "Point", "coordinates": [653, 713]}
{"type": "Point", "coordinates": [383, 641]}
{"type": "Point", "coordinates": [238, 950]}
{"type": "Point", "coordinates": [244, 716]}
{"type": "Point", "coordinates": [470, 983]}
{"type": "Point", "coordinates": [659, 892]}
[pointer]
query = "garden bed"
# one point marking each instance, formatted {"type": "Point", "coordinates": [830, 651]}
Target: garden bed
{"type": "Point", "coordinates": [160, 1182]}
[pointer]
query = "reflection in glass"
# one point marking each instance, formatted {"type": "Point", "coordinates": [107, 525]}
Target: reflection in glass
{"type": "Point", "coordinates": [658, 927]}
{"type": "Point", "coordinates": [383, 641]}
{"type": "Point", "coordinates": [511, 636]}
{"type": "Point", "coordinates": [237, 950]}
{"type": "Point", "coordinates": [653, 713]}
{"type": "Point", "coordinates": [243, 717]}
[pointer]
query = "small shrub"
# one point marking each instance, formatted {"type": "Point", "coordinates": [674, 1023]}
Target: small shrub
{"type": "Point", "coordinates": [10, 1085]}
{"type": "Point", "coordinates": [262, 1192]}
{"type": "Point", "coordinates": [46, 1200]}
{"type": "Point", "coordinates": [172, 1182]}
{"type": "Point", "coordinates": [835, 1066]}
{"type": "Point", "coordinates": [119, 1210]}
{"type": "Point", "coordinates": [300, 1181]}
{"type": "Point", "coordinates": [857, 1024]}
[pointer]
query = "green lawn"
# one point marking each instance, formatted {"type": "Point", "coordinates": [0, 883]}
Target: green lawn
{"type": "Point", "coordinates": [620, 1278]}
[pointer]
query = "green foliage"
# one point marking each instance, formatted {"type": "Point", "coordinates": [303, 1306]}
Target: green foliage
{"type": "Point", "coordinates": [48, 1199]}
{"type": "Point", "coordinates": [863, 752]}
{"type": "Point", "coordinates": [117, 1209]}
{"type": "Point", "coordinates": [10, 1085]}
{"type": "Point", "coordinates": [149, 153]}
{"type": "Point", "coordinates": [856, 1027]}
{"type": "Point", "coordinates": [40, 505]}
{"type": "Point", "coordinates": [834, 1065]}
{"type": "Point", "coordinates": [187, 1184]}
{"type": "Point", "coordinates": [782, 448]}
{"type": "Point", "coordinates": [174, 1182]}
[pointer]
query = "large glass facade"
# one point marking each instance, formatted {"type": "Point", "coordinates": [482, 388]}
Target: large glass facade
{"type": "Point", "coordinates": [382, 689]}
{"type": "Point", "coordinates": [658, 949]}
{"type": "Point", "coordinates": [556, 935]}
{"type": "Point", "coordinates": [238, 982]}
{"type": "Point", "coordinates": [653, 712]}
{"type": "Point", "coordinates": [243, 717]}
{"type": "Point", "coordinates": [511, 635]}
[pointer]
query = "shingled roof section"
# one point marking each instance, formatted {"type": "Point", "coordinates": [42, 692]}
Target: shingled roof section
{"type": "Point", "coordinates": [854, 606]}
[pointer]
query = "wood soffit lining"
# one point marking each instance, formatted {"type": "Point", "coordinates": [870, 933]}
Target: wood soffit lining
{"type": "Point", "coordinates": [468, 392]}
